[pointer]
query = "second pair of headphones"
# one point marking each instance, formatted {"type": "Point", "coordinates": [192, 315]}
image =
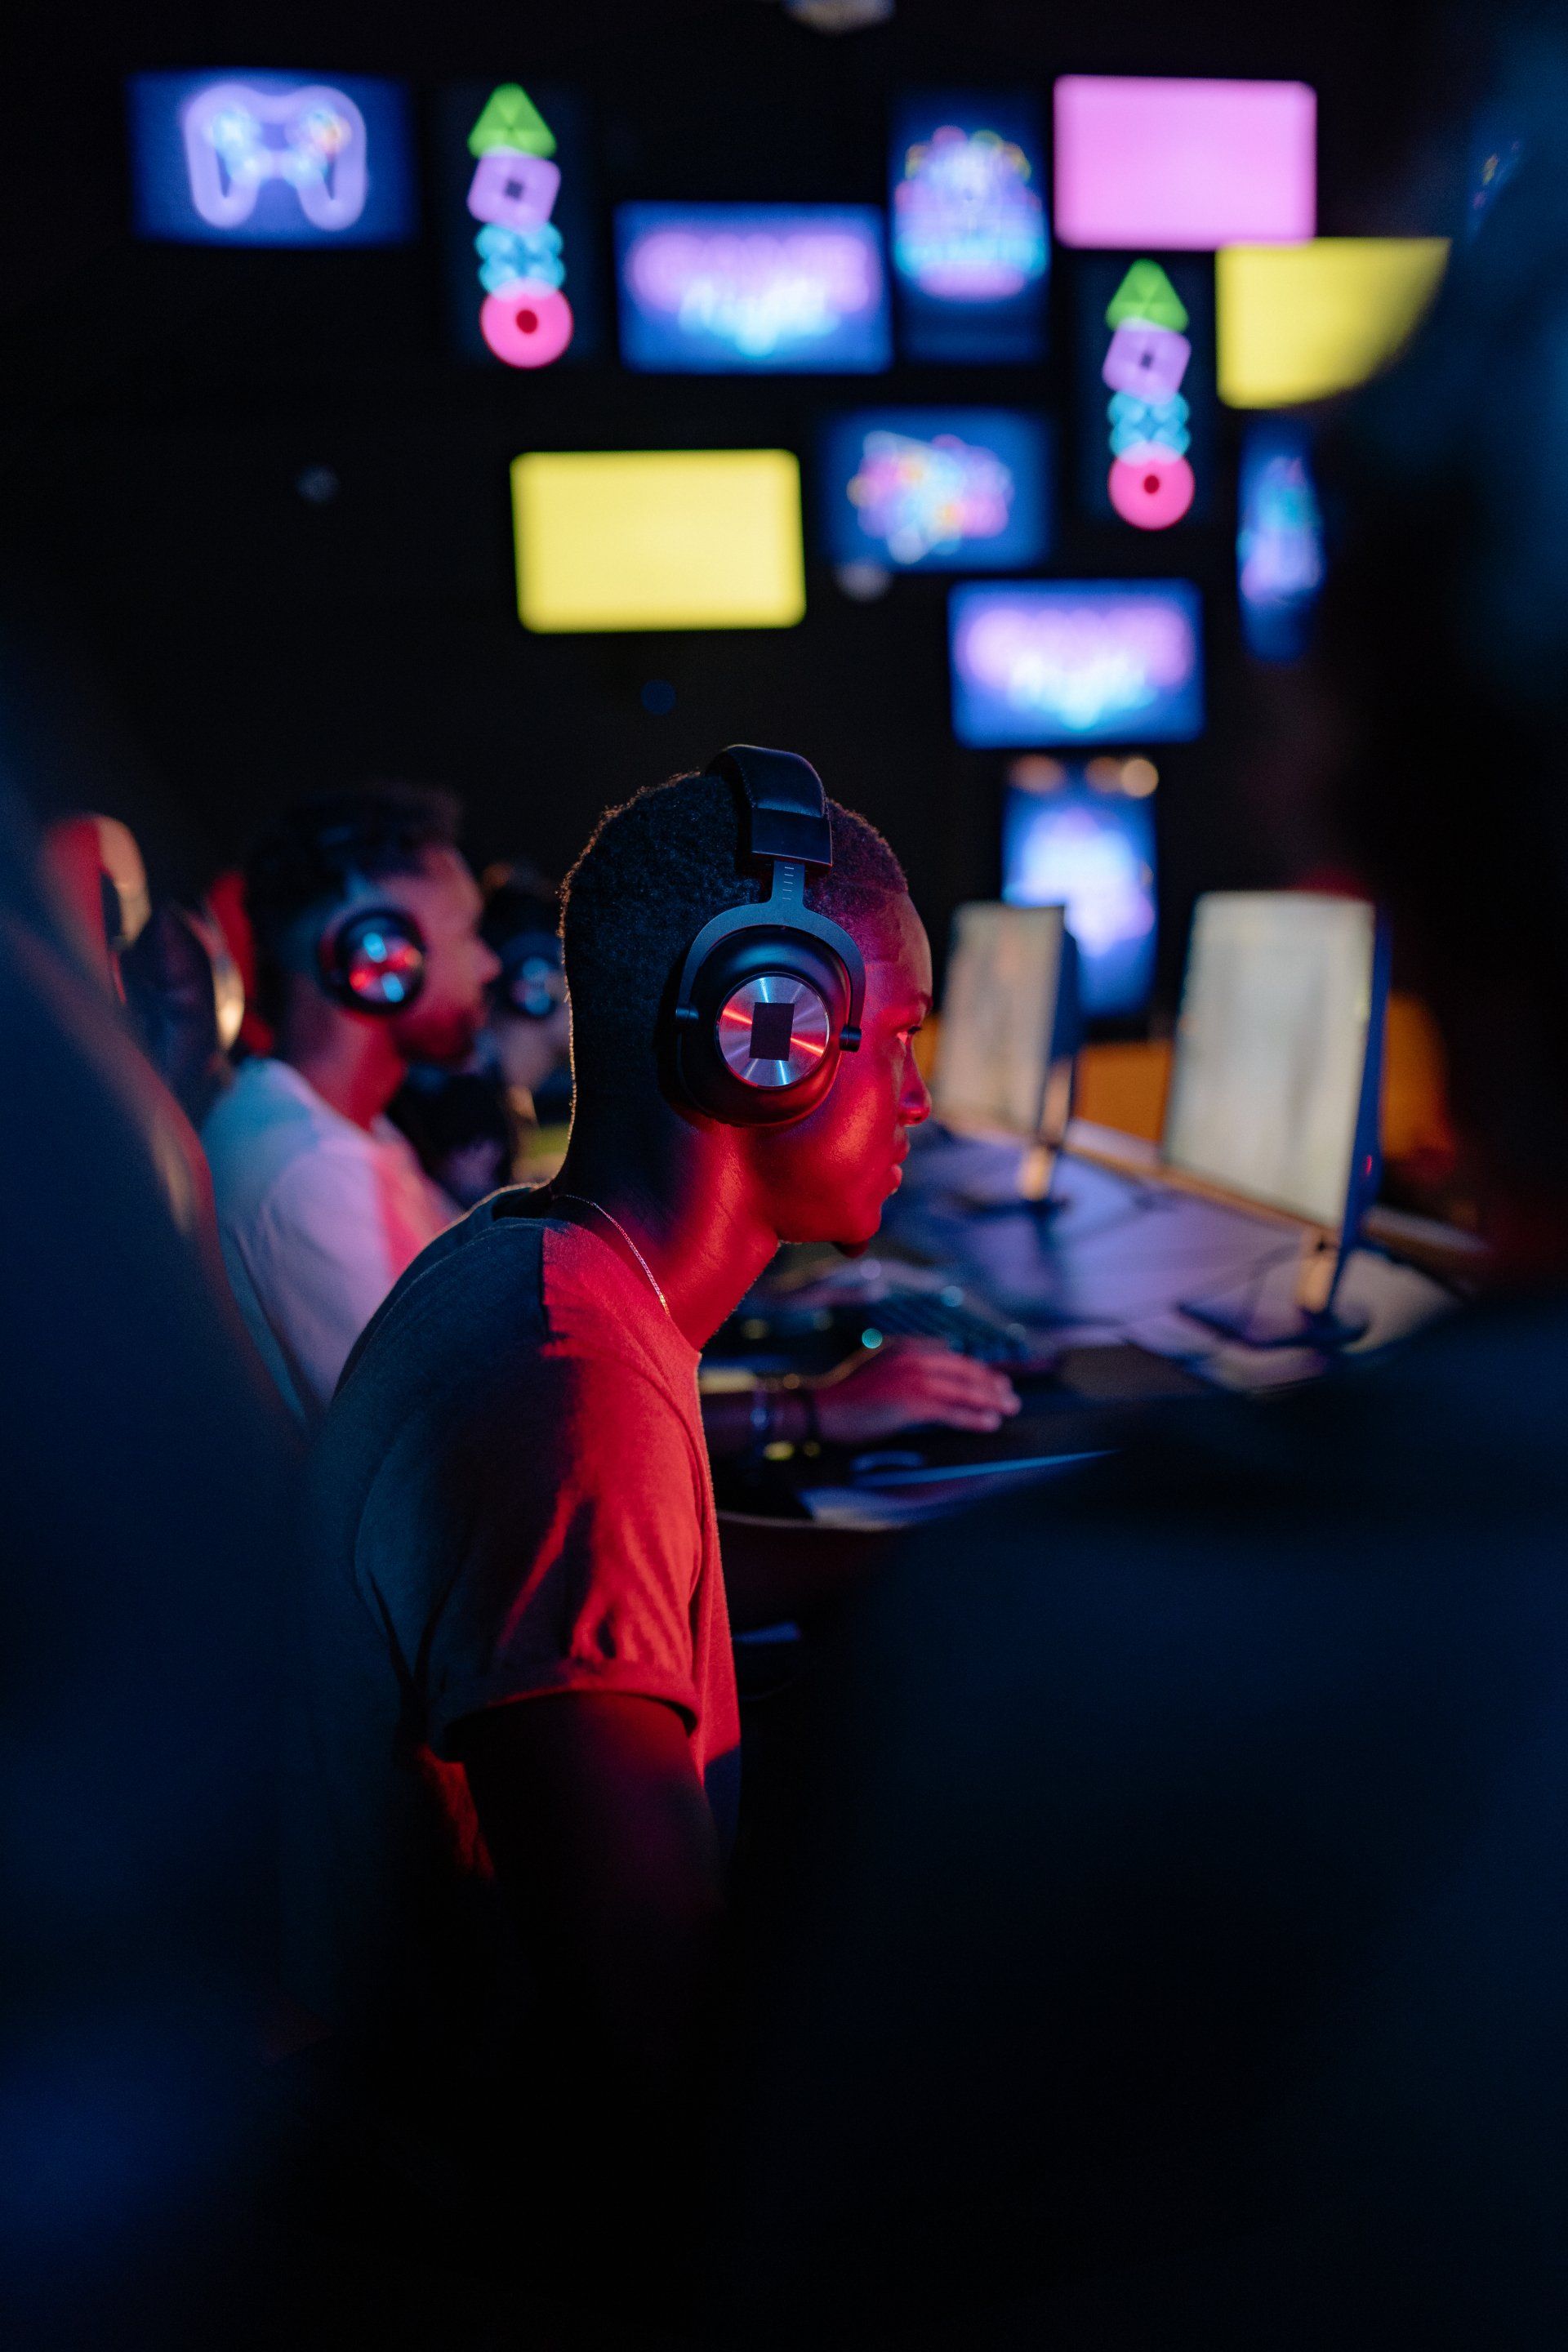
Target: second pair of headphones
{"type": "Point", "coordinates": [371, 957]}
{"type": "Point", "coordinates": [769, 995]}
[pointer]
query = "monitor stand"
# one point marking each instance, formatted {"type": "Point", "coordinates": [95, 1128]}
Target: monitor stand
{"type": "Point", "coordinates": [1308, 1320]}
{"type": "Point", "coordinates": [1032, 1194]}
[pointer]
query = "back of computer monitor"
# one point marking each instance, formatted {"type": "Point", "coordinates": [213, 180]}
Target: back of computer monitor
{"type": "Point", "coordinates": [1009, 1031]}
{"type": "Point", "coordinates": [1275, 1080]}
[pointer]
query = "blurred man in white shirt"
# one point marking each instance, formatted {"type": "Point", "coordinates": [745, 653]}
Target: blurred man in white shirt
{"type": "Point", "coordinates": [367, 931]}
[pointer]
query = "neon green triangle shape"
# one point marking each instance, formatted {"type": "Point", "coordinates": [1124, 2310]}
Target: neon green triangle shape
{"type": "Point", "coordinates": [1148, 294]}
{"type": "Point", "coordinates": [510, 119]}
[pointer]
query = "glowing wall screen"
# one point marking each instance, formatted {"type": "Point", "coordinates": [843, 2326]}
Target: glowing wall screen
{"type": "Point", "coordinates": [1092, 853]}
{"type": "Point", "coordinates": [521, 261]}
{"type": "Point", "coordinates": [1076, 661]}
{"type": "Point", "coordinates": [753, 289]}
{"type": "Point", "coordinates": [1297, 323]}
{"type": "Point", "coordinates": [971, 239]}
{"type": "Point", "coordinates": [1279, 539]}
{"type": "Point", "coordinates": [935, 489]}
{"type": "Point", "coordinates": [1183, 166]}
{"type": "Point", "coordinates": [1146, 389]}
{"type": "Point", "coordinates": [691, 539]}
{"type": "Point", "coordinates": [243, 158]}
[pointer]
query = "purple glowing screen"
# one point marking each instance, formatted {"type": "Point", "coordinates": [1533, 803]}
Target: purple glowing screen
{"type": "Point", "coordinates": [1184, 166]}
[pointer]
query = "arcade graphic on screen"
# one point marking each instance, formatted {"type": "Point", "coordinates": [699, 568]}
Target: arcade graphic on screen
{"type": "Point", "coordinates": [1146, 359]}
{"type": "Point", "coordinates": [1076, 661]}
{"type": "Point", "coordinates": [936, 489]}
{"type": "Point", "coordinates": [1184, 166]}
{"type": "Point", "coordinates": [971, 240]}
{"type": "Point", "coordinates": [753, 289]}
{"type": "Point", "coordinates": [243, 158]}
{"type": "Point", "coordinates": [518, 222]}
{"type": "Point", "coordinates": [1279, 539]}
{"type": "Point", "coordinates": [1082, 837]}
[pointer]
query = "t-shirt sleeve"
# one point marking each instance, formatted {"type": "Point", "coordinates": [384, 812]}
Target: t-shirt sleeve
{"type": "Point", "coordinates": [580, 1552]}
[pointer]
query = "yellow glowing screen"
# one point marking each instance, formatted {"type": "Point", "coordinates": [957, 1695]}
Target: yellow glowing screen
{"type": "Point", "coordinates": [1300, 321]}
{"type": "Point", "coordinates": [690, 539]}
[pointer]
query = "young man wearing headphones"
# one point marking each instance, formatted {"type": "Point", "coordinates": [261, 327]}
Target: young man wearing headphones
{"type": "Point", "coordinates": [519, 1759]}
{"type": "Point", "coordinates": [366, 922]}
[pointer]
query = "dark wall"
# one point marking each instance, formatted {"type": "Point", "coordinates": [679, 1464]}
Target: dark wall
{"type": "Point", "coordinates": [193, 639]}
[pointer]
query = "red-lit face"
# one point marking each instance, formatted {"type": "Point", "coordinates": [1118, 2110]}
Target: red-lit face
{"type": "Point", "coordinates": [446, 1017]}
{"type": "Point", "coordinates": [827, 1177]}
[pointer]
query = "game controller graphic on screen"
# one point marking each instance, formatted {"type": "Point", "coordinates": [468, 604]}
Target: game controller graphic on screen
{"type": "Point", "coordinates": [525, 318]}
{"type": "Point", "coordinates": [246, 157]}
{"type": "Point", "coordinates": [311, 139]}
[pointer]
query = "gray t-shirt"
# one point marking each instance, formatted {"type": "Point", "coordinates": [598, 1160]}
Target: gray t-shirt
{"type": "Point", "coordinates": [511, 1497]}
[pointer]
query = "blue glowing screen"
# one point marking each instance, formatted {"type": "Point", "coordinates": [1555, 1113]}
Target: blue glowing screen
{"type": "Point", "coordinates": [936, 489]}
{"type": "Point", "coordinates": [1278, 539]}
{"type": "Point", "coordinates": [1076, 661]}
{"type": "Point", "coordinates": [753, 289]}
{"type": "Point", "coordinates": [243, 158]}
{"type": "Point", "coordinates": [1092, 853]}
{"type": "Point", "coordinates": [970, 234]}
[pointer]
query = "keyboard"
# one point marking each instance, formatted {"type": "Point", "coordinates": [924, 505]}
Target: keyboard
{"type": "Point", "coordinates": [860, 1307]}
{"type": "Point", "coordinates": [949, 1315]}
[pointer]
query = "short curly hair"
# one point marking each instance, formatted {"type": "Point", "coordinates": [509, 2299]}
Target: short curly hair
{"type": "Point", "coordinates": [654, 871]}
{"type": "Point", "coordinates": [315, 853]}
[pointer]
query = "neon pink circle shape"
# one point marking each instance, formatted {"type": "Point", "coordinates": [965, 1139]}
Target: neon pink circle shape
{"type": "Point", "coordinates": [1151, 489]}
{"type": "Point", "coordinates": [526, 324]}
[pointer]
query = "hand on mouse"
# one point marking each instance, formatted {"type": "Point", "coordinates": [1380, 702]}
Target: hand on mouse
{"type": "Point", "coordinates": [908, 1382]}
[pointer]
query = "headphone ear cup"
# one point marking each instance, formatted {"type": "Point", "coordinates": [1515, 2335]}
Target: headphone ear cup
{"type": "Point", "coordinates": [373, 961]}
{"type": "Point", "coordinates": [759, 1046]}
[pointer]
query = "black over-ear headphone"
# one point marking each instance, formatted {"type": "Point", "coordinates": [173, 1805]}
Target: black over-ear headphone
{"type": "Point", "coordinates": [769, 995]}
{"type": "Point", "coordinates": [371, 958]}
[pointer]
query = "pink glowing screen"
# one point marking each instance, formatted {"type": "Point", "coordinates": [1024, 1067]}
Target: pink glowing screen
{"type": "Point", "coordinates": [1184, 166]}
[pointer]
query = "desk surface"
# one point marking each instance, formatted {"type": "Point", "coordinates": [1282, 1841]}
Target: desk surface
{"type": "Point", "coordinates": [1119, 1249]}
{"type": "Point", "coordinates": [1108, 1262]}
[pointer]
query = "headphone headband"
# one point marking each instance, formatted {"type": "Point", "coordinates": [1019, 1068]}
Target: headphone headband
{"type": "Point", "coordinates": [769, 994]}
{"type": "Point", "coordinates": [784, 804]}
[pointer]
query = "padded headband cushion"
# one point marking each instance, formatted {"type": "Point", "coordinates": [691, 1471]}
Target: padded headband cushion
{"type": "Point", "coordinates": [784, 804]}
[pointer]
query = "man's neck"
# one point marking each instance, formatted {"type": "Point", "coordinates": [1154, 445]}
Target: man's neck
{"type": "Point", "coordinates": [351, 1064]}
{"type": "Point", "coordinates": [685, 1201]}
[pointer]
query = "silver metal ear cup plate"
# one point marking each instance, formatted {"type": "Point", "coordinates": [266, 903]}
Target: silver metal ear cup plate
{"type": "Point", "coordinates": [773, 1031]}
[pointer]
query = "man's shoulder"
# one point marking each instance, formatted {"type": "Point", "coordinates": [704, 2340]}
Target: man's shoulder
{"type": "Point", "coordinates": [463, 1360]}
{"type": "Point", "coordinates": [266, 1125]}
{"type": "Point", "coordinates": [473, 1296]}
{"type": "Point", "coordinates": [264, 1092]}
{"type": "Point", "coordinates": [477, 1313]}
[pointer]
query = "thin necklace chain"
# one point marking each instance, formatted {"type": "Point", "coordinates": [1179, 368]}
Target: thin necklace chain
{"type": "Point", "coordinates": [583, 1203]}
